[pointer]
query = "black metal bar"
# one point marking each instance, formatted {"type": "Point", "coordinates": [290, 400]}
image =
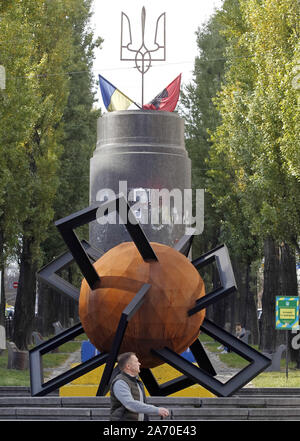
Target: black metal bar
{"type": "Point", "coordinates": [188, 369]}
{"type": "Point", "coordinates": [210, 298]}
{"type": "Point", "coordinates": [150, 382]}
{"type": "Point", "coordinates": [175, 385]}
{"type": "Point", "coordinates": [73, 373]}
{"type": "Point", "coordinates": [228, 340]}
{"type": "Point", "coordinates": [78, 219]}
{"type": "Point", "coordinates": [38, 387]}
{"type": "Point", "coordinates": [134, 229]}
{"type": "Point", "coordinates": [48, 273]}
{"type": "Point", "coordinates": [185, 243]}
{"type": "Point", "coordinates": [126, 316]}
{"type": "Point", "coordinates": [80, 256]}
{"type": "Point", "coordinates": [136, 302]}
{"type": "Point", "coordinates": [201, 261]}
{"type": "Point", "coordinates": [167, 388]}
{"type": "Point", "coordinates": [36, 372]}
{"type": "Point", "coordinates": [59, 339]}
{"type": "Point", "coordinates": [227, 279]}
{"type": "Point", "coordinates": [89, 214]}
{"type": "Point", "coordinates": [221, 256]}
{"type": "Point", "coordinates": [103, 386]}
{"type": "Point", "coordinates": [201, 357]}
{"type": "Point", "coordinates": [62, 286]}
{"type": "Point", "coordinates": [258, 362]}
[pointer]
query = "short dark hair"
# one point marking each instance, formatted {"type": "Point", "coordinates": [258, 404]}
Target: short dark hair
{"type": "Point", "coordinates": [123, 359]}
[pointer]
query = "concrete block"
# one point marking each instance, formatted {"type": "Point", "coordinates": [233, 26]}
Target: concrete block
{"type": "Point", "coordinates": [30, 402]}
{"type": "Point", "coordinates": [283, 402]}
{"type": "Point", "coordinates": [85, 402]}
{"type": "Point", "coordinates": [14, 391]}
{"type": "Point", "coordinates": [7, 413]}
{"type": "Point", "coordinates": [174, 401]}
{"type": "Point", "coordinates": [40, 413]}
{"type": "Point", "coordinates": [210, 414]}
{"type": "Point", "coordinates": [274, 414]}
{"type": "Point", "coordinates": [241, 402]}
{"type": "Point", "coordinates": [100, 414]}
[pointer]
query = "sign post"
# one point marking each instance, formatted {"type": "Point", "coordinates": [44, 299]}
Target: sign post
{"type": "Point", "coordinates": [287, 317]}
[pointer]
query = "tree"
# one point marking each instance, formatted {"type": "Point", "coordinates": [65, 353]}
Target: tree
{"type": "Point", "coordinates": [223, 217]}
{"type": "Point", "coordinates": [251, 141]}
{"type": "Point", "coordinates": [201, 116]}
{"type": "Point", "coordinates": [51, 49]}
{"type": "Point", "coordinates": [79, 138]}
{"type": "Point", "coordinates": [41, 42]}
{"type": "Point", "coordinates": [17, 116]}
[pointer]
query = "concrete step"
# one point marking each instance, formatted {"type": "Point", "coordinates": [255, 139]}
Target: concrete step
{"type": "Point", "coordinates": [179, 402]}
{"type": "Point", "coordinates": [19, 391]}
{"type": "Point", "coordinates": [276, 405]}
{"type": "Point", "coordinates": [181, 408]}
{"type": "Point", "coordinates": [177, 414]}
{"type": "Point", "coordinates": [53, 413]}
{"type": "Point", "coordinates": [264, 391]}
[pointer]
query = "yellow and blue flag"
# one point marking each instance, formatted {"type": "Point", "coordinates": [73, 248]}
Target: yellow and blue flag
{"type": "Point", "coordinates": [113, 98]}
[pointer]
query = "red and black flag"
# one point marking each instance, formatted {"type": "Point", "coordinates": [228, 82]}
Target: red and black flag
{"type": "Point", "coordinates": [167, 99]}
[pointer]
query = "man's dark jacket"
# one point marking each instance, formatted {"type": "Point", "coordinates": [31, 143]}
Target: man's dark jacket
{"type": "Point", "coordinates": [117, 411]}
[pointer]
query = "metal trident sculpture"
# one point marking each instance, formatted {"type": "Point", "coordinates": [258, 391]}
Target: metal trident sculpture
{"type": "Point", "coordinates": [143, 55]}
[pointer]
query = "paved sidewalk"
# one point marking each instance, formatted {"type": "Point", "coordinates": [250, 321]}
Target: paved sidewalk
{"type": "Point", "coordinates": [75, 357]}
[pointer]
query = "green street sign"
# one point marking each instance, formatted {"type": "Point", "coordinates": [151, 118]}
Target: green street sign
{"type": "Point", "coordinates": [287, 312]}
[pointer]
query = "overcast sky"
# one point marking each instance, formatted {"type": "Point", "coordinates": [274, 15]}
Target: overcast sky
{"type": "Point", "coordinates": [182, 20]}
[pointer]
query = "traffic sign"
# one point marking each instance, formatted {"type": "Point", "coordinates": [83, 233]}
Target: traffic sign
{"type": "Point", "coordinates": [15, 285]}
{"type": "Point", "coordinates": [287, 312]}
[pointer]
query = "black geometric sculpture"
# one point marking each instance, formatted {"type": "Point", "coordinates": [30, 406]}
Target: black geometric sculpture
{"type": "Point", "coordinates": [204, 374]}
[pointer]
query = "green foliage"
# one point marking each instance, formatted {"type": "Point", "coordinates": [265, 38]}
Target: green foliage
{"type": "Point", "coordinates": [47, 129]}
{"type": "Point", "coordinates": [201, 116]}
{"type": "Point", "coordinates": [79, 131]}
{"type": "Point", "coordinates": [253, 178]}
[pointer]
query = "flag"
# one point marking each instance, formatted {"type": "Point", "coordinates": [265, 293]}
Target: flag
{"type": "Point", "coordinates": [167, 99]}
{"type": "Point", "coordinates": [113, 98]}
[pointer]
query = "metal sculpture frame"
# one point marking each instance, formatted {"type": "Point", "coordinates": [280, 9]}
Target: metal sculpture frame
{"type": "Point", "coordinates": [203, 374]}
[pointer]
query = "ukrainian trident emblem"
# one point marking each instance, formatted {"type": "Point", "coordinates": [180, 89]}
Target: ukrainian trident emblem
{"type": "Point", "coordinates": [142, 55]}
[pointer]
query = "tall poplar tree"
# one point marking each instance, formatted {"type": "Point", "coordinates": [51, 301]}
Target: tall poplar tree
{"type": "Point", "coordinates": [79, 139]}
{"type": "Point", "coordinates": [18, 113]}
{"type": "Point", "coordinates": [252, 139]}
{"type": "Point", "coordinates": [51, 45]}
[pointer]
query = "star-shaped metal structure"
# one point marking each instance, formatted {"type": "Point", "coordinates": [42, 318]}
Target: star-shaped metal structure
{"type": "Point", "coordinates": [84, 254]}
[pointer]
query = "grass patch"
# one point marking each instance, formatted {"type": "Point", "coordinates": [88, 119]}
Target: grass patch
{"type": "Point", "coordinates": [12, 377]}
{"type": "Point", "coordinates": [265, 379]}
{"type": "Point", "coordinates": [70, 346]}
{"type": "Point", "coordinates": [15, 377]}
{"type": "Point", "coordinates": [277, 379]}
{"type": "Point", "coordinates": [233, 360]}
{"type": "Point", "coordinates": [204, 338]}
{"type": "Point", "coordinates": [54, 360]}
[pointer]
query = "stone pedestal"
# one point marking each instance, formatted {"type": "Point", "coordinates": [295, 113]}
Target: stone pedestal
{"type": "Point", "coordinates": [138, 150]}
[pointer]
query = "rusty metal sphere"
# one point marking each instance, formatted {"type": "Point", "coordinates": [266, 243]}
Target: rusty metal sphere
{"type": "Point", "coordinates": [162, 320]}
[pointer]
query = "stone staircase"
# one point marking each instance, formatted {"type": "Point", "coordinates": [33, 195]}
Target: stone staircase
{"type": "Point", "coordinates": [249, 404]}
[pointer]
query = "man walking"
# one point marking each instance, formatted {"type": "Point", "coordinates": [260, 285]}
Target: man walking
{"type": "Point", "coordinates": [127, 393]}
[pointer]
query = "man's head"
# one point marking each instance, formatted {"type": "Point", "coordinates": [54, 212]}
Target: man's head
{"type": "Point", "coordinates": [238, 327]}
{"type": "Point", "coordinates": [129, 363]}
